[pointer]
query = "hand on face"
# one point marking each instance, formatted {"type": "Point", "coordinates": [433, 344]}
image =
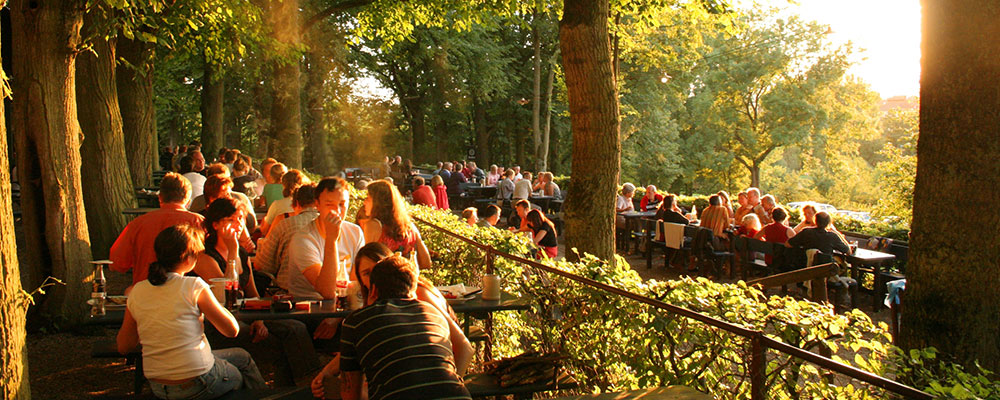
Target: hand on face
{"type": "Point", "coordinates": [331, 222]}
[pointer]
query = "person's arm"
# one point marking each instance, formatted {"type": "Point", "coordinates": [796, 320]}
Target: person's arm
{"type": "Point", "coordinates": [460, 346]}
{"type": "Point", "coordinates": [790, 233]}
{"type": "Point", "coordinates": [128, 335]}
{"type": "Point", "coordinates": [223, 321]}
{"type": "Point", "coordinates": [423, 255]}
{"type": "Point", "coordinates": [324, 277]}
{"type": "Point", "coordinates": [332, 369]}
{"type": "Point", "coordinates": [758, 236]}
{"type": "Point", "coordinates": [795, 241]}
{"type": "Point", "coordinates": [539, 236]}
{"type": "Point", "coordinates": [350, 385]}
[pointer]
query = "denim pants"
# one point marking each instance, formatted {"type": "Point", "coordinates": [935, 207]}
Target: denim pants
{"type": "Point", "coordinates": [233, 369]}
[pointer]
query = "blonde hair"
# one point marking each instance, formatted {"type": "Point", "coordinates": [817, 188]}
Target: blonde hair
{"type": "Point", "coordinates": [751, 219]}
{"type": "Point", "coordinates": [437, 180]}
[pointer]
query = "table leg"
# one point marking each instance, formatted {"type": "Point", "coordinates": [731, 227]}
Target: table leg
{"type": "Point", "coordinates": [876, 270]}
{"type": "Point", "coordinates": [855, 275]}
{"type": "Point", "coordinates": [488, 347]}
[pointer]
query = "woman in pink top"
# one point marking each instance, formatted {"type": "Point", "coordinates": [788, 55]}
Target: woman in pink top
{"type": "Point", "coordinates": [389, 223]}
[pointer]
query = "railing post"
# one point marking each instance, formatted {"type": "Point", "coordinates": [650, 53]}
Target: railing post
{"type": "Point", "coordinates": [488, 347]}
{"type": "Point", "coordinates": [758, 367]}
{"type": "Point", "coordinates": [489, 260]}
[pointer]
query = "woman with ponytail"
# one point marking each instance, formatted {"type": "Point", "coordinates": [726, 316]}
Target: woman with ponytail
{"type": "Point", "coordinates": [164, 313]}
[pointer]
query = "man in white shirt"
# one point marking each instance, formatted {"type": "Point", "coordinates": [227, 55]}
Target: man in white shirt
{"type": "Point", "coordinates": [323, 252]}
{"type": "Point", "coordinates": [186, 167]}
{"type": "Point", "coordinates": [522, 188]}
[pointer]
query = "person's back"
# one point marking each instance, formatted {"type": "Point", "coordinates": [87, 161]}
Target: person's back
{"type": "Point", "coordinates": [522, 189]}
{"type": "Point", "coordinates": [170, 330]}
{"type": "Point", "coordinates": [820, 239]}
{"type": "Point", "coordinates": [775, 232]}
{"type": "Point", "coordinates": [454, 183]}
{"type": "Point", "coordinates": [424, 196]}
{"type": "Point", "coordinates": [441, 196]}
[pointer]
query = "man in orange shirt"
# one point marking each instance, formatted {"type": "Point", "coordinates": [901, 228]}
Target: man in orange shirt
{"type": "Point", "coordinates": [134, 247]}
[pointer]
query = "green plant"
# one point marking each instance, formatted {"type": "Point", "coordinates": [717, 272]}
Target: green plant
{"type": "Point", "coordinates": [935, 375]}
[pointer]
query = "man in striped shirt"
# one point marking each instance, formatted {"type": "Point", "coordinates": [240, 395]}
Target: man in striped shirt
{"type": "Point", "coordinates": [402, 345]}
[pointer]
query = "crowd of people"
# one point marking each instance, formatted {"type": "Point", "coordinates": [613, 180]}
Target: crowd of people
{"type": "Point", "coordinates": [755, 216]}
{"type": "Point", "coordinates": [206, 229]}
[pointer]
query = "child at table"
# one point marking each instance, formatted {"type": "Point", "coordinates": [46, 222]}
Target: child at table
{"type": "Point", "coordinates": [164, 313]}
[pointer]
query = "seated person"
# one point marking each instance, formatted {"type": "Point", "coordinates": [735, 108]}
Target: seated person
{"type": "Point", "coordinates": [519, 221]}
{"type": "Point", "coordinates": [821, 239]}
{"type": "Point", "coordinates": [749, 226]}
{"type": "Point", "coordinates": [543, 232]}
{"type": "Point", "coordinates": [164, 314]}
{"type": "Point", "coordinates": [744, 207]}
{"type": "Point", "coordinates": [469, 215]}
{"type": "Point", "coordinates": [715, 217]}
{"type": "Point", "coordinates": [624, 204]}
{"type": "Point", "coordinates": [670, 212]}
{"type": "Point", "coordinates": [490, 217]}
{"type": "Point", "coordinates": [763, 210]}
{"type": "Point", "coordinates": [440, 192]}
{"type": "Point", "coordinates": [522, 188]}
{"type": "Point", "coordinates": [272, 251]}
{"type": "Point", "coordinates": [505, 188]}
{"type": "Point", "coordinates": [651, 200]}
{"type": "Point", "coordinates": [809, 219]}
{"type": "Point", "coordinates": [413, 359]}
{"type": "Point", "coordinates": [777, 231]}
{"type": "Point", "coordinates": [290, 181]}
{"type": "Point", "coordinates": [219, 187]}
{"type": "Point", "coordinates": [422, 194]}
{"type": "Point", "coordinates": [273, 188]}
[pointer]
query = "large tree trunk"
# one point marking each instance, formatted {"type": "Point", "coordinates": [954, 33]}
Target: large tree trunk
{"type": "Point", "coordinates": [593, 108]}
{"type": "Point", "coordinates": [548, 114]}
{"type": "Point", "coordinates": [107, 186]}
{"type": "Point", "coordinates": [212, 88]}
{"type": "Point", "coordinates": [536, 94]}
{"type": "Point", "coordinates": [321, 154]}
{"type": "Point", "coordinates": [135, 98]}
{"type": "Point", "coordinates": [46, 36]}
{"type": "Point", "coordinates": [286, 118]}
{"type": "Point", "coordinates": [13, 304]}
{"type": "Point", "coordinates": [952, 301]}
{"type": "Point", "coordinates": [482, 133]}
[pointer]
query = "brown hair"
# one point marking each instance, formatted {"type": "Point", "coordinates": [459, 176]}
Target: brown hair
{"type": "Point", "coordinates": [277, 170]}
{"type": "Point", "coordinates": [215, 186]}
{"type": "Point", "coordinates": [304, 195]}
{"type": "Point", "coordinates": [374, 251]}
{"type": "Point", "coordinates": [217, 169]}
{"type": "Point", "coordinates": [389, 208]}
{"type": "Point", "coordinates": [536, 219]}
{"type": "Point", "coordinates": [241, 165]}
{"type": "Point", "coordinates": [522, 203]}
{"type": "Point", "coordinates": [292, 180]}
{"type": "Point", "coordinates": [394, 277]}
{"type": "Point", "coordinates": [174, 188]}
{"type": "Point", "coordinates": [174, 245]}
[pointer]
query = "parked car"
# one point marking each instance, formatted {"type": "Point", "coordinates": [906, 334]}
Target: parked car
{"type": "Point", "coordinates": [795, 205]}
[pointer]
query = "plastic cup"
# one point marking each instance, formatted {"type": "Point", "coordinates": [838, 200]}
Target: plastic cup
{"type": "Point", "coordinates": [491, 287]}
{"type": "Point", "coordinates": [219, 289]}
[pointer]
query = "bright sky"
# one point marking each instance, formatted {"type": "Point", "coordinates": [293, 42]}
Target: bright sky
{"type": "Point", "coordinates": [887, 30]}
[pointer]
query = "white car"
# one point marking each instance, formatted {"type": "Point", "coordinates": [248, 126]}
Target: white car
{"type": "Point", "coordinates": [795, 205]}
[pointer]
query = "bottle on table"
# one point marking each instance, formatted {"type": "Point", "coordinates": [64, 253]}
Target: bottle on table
{"type": "Point", "coordinates": [232, 284]}
{"type": "Point", "coordinates": [99, 295]}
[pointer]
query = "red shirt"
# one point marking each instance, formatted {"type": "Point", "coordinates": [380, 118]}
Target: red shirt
{"type": "Point", "coordinates": [775, 232]}
{"type": "Point", "coordinates": [645, 201]}
{"type": "Point", "coordinates": [441, 192]}
{"type": "Point", "coordinates": [134, 247]}
{"type": "Point", "coordinates": [424, 196]}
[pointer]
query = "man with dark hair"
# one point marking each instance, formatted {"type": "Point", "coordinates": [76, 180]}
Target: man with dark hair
{"type": "Point", "coordinates": [422, 194]}
{"type": "Point", "coordinates": [323, 252]}
{"type": "Point", "coordinates": [490, 216]}
{"type": "Point", "coordinates": [519, 221]}
{"type": "Point", "coordinates": [134, 247]}
{"type": "Point", "coordinates": [821, 239]}
{"type": "Point", "coordinates": [400, 344]}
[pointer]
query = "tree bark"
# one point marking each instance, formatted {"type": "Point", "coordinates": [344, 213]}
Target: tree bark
{"type": "Point", "coordinates": [107, 186]}
{"type": "Point", "coordinates": [13, 304]}
{"type": "Point", "coordinates": [482, 133]}
{"type": "Point", "coordinates": [536, 93]}
{"type": "Point", "coordinates": [548, 113]}
{"type": "Point", "coordinates": [593, 107]}
{"type": "Point", "coordinates": [135, 98]}
{"type": "Point", "coordinates": [286, 118]}
{"type": "Point", "coordinates": [951, 297]}
{"type": "Point", "coordinates": [46, 36]}
{"type": "Point", "coordinates": [321, 155]}
{"type": "Point", "coordinates": [212, 88]}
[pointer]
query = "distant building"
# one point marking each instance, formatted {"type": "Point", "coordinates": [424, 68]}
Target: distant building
{"type": "Point", "coordinates": [900, 102]}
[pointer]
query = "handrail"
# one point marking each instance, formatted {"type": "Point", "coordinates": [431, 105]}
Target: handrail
{"type": "Point", "coordinates": [757, 338]}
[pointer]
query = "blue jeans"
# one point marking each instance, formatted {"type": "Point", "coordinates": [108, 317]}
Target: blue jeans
{"type": "Point", "coordinates": [233, 369]}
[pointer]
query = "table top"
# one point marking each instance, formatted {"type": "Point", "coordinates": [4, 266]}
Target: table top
{"type": "Point", "coordinates": [638, 214]}
{"type": "Point", "coordinates": [869, 256]}
{"type": "Point", "coordinates": [327, 309]}
{"type": "Point", "coordinates": [669, 392]}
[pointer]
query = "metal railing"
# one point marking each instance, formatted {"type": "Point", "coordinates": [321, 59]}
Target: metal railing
{"type": "Point", "coordinates": [759, 342]}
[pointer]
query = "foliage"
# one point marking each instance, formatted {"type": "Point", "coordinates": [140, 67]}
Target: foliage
{"type": "Point", "coordinates": [613, 343]}
{"type": "Point", "coordinates": [899, 169]}
{"type": "Point", "coordinates": [929, 370]}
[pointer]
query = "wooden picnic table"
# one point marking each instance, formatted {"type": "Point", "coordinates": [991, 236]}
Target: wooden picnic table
{"type": "Point", "coordinates": [631, 223]}
{"type": "Point", "coordinates": [865, 257]}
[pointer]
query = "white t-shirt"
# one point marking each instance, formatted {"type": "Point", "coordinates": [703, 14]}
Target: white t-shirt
{"type": "Point", "coordinates": [306, 249]}
{"type": "Point", "coordinates": [624, 202]}
{"type": "Point", "coordinates": [277, 208]}
{"type": "Point", "coordinates": [173, 339]}
{"type": "Point", "coordinates": [522, 189]}
{"type": "Point", "coordinates": [197, 185]}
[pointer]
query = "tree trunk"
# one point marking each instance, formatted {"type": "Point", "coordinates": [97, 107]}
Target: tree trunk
{"type": "Point", "coordinates": [13, 304]}
{"type": "Point", "coordinates": [135, 98]}
{"type": "Point", "coordinates": [482, 133]}
{"type": "Point", "coordinates": [107, 186]}
{"type": "Point", "coordinates": [548, 114]}
{"type": "Point", "coordinates": [46, 36]}
{"type": "Point", "coordinates": [593, 107]}
{"type": "Point", "coordinates": [319, 145]}
{"type": "Point", "coordinates": [754, 176]}
{"type": "Point", "coordinates": [212, 88]}
{"type": "Point", "coordinates": [286, 118]}
{"type": "Point", "coordinates": [951, 296]}
{"type": "Point", "coordinates": [536, 94]}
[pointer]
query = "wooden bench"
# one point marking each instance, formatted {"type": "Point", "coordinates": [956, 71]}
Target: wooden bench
{"type": "Point", "coordinates": [817, 275]}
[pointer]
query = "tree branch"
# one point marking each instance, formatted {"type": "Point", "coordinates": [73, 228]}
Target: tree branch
{"type": "Point", "coordinates": [336, 8]}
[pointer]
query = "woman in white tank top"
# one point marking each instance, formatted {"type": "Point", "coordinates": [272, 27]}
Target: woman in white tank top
{"type": "Point", "coordinates": [165, 314]}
